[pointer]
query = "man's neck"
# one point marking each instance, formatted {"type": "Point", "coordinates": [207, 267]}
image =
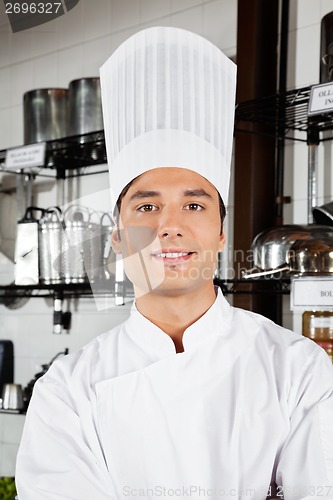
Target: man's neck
{"type": "Point", "coordinates": [173, 313]}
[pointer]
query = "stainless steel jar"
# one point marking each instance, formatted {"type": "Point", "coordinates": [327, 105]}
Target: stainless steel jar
{"type": "Point", "coordinates": [45, 114]}
{"type": "Point", "coordinates": [85, 106]}
{"type": "Point", "coordinates": [51, 235]}
{"type": "Point", "coordinates": [82, 247]}
{"type": "Point", "coordinates": [292, 249]}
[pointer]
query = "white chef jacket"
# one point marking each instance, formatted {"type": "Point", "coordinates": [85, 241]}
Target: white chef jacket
{"type": "Point", "coordinates": [247, 403]}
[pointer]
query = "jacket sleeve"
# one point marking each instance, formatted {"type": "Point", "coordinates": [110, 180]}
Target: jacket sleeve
{"type": "Point", "coordinates": [56, 460]}
{"type": "Point", "coordinates": [305, 465]}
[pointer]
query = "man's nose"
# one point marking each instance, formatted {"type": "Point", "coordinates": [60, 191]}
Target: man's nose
{"type": "Point", "coordinates": [171, 223]}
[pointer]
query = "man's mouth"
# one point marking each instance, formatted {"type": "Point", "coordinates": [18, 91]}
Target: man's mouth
{"type": "Point", "coordinates": [173, 256]}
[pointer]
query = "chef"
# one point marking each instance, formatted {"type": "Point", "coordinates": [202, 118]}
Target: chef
{"type": "Point", "coordinates": [189, 397]}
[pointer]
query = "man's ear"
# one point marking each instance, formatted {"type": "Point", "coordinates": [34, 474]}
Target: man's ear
{"type": "Point", "coordinates": [116, 239]}
{"type": "Point", "coordinates": [222, 241]}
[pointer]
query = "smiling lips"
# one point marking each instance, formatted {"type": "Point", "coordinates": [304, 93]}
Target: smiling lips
{"type": "Point", "coordinates": [172, 256]}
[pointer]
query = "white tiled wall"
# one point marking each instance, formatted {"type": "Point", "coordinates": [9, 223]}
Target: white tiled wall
{"type": "Point", "coordinates": [74, 46]}
{"type": "Point", "coordinates": [11, 427]}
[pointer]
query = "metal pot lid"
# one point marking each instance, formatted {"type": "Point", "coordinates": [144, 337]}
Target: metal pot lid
{"type": "Point", "coordinates": [270, 247]}
{"type": "Point", "coordinates": [312, 256]}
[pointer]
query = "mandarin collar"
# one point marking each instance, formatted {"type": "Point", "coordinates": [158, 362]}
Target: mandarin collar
{"type": "Point", "coordinates": [149, 337]}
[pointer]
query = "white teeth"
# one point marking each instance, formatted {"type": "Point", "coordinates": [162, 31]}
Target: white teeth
{"type": "Point", "coordinates": [171, 255]}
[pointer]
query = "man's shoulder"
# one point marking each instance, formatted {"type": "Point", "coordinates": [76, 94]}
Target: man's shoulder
{"type": "Point", "coordinates": [271, 334]}
{"type": "Point", "coordinates": [291, 358]}
{"type": "Point", "coordinates": [90, 360]}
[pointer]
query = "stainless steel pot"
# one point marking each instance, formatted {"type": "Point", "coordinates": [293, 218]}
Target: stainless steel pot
{"type": "Point", "coordinates": [74, 242]}
{"type": "Point", "coordinates": [85, 106]}
{"type": "Point", "coordinates": [269, 248]}
{"type": "Point", "coordinates": [292, 249]}
{"type": "Point", "coordinates": [311, 256]}
{"type": "Point", "coordinates": [82, 246]}
{"type": "Point", "coordinates": [51, 235]}
{"type": "Point", "coordinates": [45, 114]}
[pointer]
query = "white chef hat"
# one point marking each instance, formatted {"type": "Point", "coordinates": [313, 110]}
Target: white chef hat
{"type": "Point", "coordinates": [168, 99]}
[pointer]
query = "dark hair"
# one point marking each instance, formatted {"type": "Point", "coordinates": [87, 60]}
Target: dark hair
{"type": "Point", "coordinates": [116, 211]}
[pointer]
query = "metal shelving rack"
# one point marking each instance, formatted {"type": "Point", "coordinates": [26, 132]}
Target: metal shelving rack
{"type": "Point", "coordinates": [104, 288]}
{"type": "Point", "coordinates": [287, 112]}
{"type": "Point", "coordinates": [70, 153]}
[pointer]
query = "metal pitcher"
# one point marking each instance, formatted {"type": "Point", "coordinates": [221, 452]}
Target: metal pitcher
{"type": "Point", "coordinates": [51, 235]}
{"type": "Point", "coordinates": [82, 252]}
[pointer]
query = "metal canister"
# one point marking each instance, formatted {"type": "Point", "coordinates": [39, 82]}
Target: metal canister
{"type": "Point", "coordinates": [75, 243]}
{"type": "Point", "coordinates": [81, 246]}
{"type": "Point", "coordinates": [93, 254]}
{"type": "Point", "coordinates": [85, 106]}
{"type": "Point", "coordinates": [45, 114]}
{"type": "Point", "coordinates": [51, 235]}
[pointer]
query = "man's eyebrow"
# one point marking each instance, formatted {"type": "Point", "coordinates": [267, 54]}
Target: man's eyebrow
{"type": "Point", "coordinates": [196, 193]}
{"type": "Point", "coordinates": [188, 193]}
{"type": "Point", "coordinates": [144, 194]}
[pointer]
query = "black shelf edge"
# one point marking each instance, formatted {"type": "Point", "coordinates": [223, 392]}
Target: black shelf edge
{"type": "Point", "coordinates": [228, 286]}
{"type": "Point", "coordinates": [285, 112]}
{"type": "Point", "coordinates": [262, 285]}
{"type": "Point", "coordinates": [65, 290]}
{"type": "Point", "coordinates": [72, 152]}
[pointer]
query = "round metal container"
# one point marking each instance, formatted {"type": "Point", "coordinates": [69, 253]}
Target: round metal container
{"type": "Point", "coordinates": [311, 256]}
{"type": "Point", "coordinates": [85, 106]}
{"type": "Point", "coordinates": [270, 247]}
{"type": "Point", "coordinates": [45, 114]}
{"type": "Point", "coordinates": [292, 249]}
{"type": "Point", "coordinates": [93, 256]}
{"type": "Point", "coordinates": [51, 234]}
{"type": "Point", "coordinates": [82, 247]}
{"type": "Point", "coordinates": [74, 244]}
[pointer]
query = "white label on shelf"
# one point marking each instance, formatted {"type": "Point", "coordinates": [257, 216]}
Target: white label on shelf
{"type": "Point", "coordinates": [314, 293]}
{"type": "Point", "coordinates": [321, 99]}
{"type": "Point", "coordinates": [32, 155]}
{"type": "Point", "coordinates": [324, 322]}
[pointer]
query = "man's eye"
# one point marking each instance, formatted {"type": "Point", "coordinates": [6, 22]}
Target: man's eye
{"type": "Point", "coordinates": [147, 208]}
{"type": "Point", "coordinates": [194, 207]}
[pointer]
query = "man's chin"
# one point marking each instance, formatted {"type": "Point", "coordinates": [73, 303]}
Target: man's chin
{"type": "Point", "coordinates": [171, 288]}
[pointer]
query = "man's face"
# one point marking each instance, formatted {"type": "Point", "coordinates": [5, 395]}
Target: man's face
{"type": "Point", "coordinates": [169, 231]}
